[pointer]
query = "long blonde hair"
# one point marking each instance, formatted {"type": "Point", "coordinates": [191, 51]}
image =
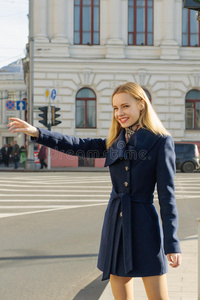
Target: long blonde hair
{"type": "Point", "coordinates": [148, 117]}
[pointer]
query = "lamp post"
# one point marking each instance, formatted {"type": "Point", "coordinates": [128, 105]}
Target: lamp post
{"type": "Point", "coordinates": [30, 163]}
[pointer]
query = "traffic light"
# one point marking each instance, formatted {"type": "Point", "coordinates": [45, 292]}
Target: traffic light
{"type": "Point", "coordinates": [44, 115]}
{"type": "Point", "coordinates": [54, 122]}
{"type": "Point", "coordinates": [192, 4]}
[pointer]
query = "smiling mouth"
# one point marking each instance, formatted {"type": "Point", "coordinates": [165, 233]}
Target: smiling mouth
{"type": "Point", "coordinates": [123, 120]}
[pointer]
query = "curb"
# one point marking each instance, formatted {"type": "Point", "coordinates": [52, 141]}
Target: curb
{"type": "Point", "coordinates": [74, 169]}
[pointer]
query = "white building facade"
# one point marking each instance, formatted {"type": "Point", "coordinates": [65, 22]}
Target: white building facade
{"type": "Point", "coordinates": [85, 48]}
{"type": "Point", "coordinates": [12, 90]}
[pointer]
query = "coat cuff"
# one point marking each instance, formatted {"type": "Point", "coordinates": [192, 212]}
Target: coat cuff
{"type": "Point", "coordinates": [41, 135]}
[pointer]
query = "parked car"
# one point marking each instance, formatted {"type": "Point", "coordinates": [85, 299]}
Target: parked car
{"type": "Point", "coordinates": [187, 157]}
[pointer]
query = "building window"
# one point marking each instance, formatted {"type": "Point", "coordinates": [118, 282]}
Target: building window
{"type": "Point", "coordinates": [140, 22]}
{"type": "Point", "coordinates": [148, 94]}
{"type": "Point", "coordinates": [192, 109]}
{"type": "Point", "coordinates": [85, 109]}
{"type": "Point", "coordinates": [86, 22]}
{"type": "Point", "coordinates": [190, 28]}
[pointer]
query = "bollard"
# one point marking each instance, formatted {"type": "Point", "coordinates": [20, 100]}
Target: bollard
{"type": "Point", "coordinates": [198, 220]}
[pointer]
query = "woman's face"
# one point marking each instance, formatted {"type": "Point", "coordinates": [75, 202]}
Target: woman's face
{"type": "Point", "coordinates": [126, 109]}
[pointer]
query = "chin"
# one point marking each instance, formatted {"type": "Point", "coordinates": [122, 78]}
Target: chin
{"type": "Point", "coordinates": [126, 125]}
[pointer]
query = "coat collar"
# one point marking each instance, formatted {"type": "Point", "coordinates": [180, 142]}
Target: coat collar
{"type": "Point", "coordinates": [140, 142]}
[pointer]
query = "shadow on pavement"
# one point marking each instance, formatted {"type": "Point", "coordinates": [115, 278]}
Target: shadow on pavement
{"type": "Point", "coordinates": [93, 290]}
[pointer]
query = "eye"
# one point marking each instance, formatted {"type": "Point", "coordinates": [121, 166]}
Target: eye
{"type": "Point", "coordinates": [126, 105]}
{"type": "Point", "coordinates": [114, 108]}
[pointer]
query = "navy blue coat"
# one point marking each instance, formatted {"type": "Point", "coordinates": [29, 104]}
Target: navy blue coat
{"type": "Point", "coordinates": [133, 243]}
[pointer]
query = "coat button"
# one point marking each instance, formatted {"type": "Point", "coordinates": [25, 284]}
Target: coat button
{"type": "Point", "coordinates": [126, 168]}
{"type": "Point", "coordinates": [126, 184]}
{"type": "Point", "coordinates": [120, 214]}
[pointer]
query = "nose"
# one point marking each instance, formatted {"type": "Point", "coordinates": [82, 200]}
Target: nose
{"type": "Point", "coordinates": [120, 112]}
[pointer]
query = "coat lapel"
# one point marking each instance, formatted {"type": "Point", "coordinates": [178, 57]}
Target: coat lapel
{"type": "Point", "coordinates": [138, 146]}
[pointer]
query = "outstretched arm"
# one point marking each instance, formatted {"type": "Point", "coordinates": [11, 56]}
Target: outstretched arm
{"type": "Point", "coordinates": [92, 148]}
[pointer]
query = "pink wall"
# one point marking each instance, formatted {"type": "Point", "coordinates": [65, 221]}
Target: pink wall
{"type": "Point", "coordinates": [59, 159]}
{"type": "Point", "coordinates": [99, 162]}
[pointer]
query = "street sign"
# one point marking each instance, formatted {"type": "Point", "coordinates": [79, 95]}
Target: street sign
{"type": "Point", "coordinates": [53, 94]}
{"type": "Point", "coordinates": [10, 104]}
{"type": "Point", "coordinates": [21, 105]}
{"type": "Point", "coordinates": [36, 159]}
{"type": "Point", "coordinates": [47, 93]}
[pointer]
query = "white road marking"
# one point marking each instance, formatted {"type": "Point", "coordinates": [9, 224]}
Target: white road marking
{"type": "Point", "coordinates": [56, 200]}
{"type": "Point", "coordinates": [37, 206]}
{"type": "Point", "coordinates": [48, 182]}
{"type": "Point", "coordinates": [56, 186]}
{"type": "Point", "coordinates": [53, 195]}
{"type": "Point", "coordinates": [46, 210]}
{"type": "Point", "coordinates": [53, 190]}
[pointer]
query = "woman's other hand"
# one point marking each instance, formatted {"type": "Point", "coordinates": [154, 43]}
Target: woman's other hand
{"type": "Point", "coordinates": [17, 125]}
{"type": "Point", "coordinates": [174, 259]}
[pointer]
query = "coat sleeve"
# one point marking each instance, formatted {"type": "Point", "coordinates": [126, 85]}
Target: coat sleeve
{"type": "Point", "coordinates": [91, 148]}
{"type": "Point", "coordinates": [165, 172]}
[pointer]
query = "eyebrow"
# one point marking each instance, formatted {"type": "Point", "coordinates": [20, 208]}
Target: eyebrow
{"type": "Point", "coordinates": [121, 104]}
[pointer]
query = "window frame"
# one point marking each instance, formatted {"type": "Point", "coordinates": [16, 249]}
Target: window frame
{"type": "Point", "coordinates": [189, 28]}
{"type": "Point", "coordinates": [85, 99]}
{"type": "Point", "coordinates": [92, 31]}
{"type": "Point", "coordinates": [147, 92]}
{"type": "Point", "coordinates": [135, 32]}
{"type": "Point", "coordinates": [194, 101]}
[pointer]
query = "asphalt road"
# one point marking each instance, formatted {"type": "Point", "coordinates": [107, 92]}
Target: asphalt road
{"type": "Point", "coordinates": [50, 232]}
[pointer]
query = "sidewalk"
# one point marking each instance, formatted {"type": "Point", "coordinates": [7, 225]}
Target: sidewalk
{"type": "Point", "coordinates": [182, 282]}
{"type": "Point", "coordinates": [53, 169]}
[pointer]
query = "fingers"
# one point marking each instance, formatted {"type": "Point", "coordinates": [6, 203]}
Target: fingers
{"type": "Point", "coordinates": [16, 125]}
{"type": "Point", "coordinates": [174, 259]}
{"type": "Point", "coordinates": [16, 121]}
{"type": "Point", "coordinates": [13, 127]}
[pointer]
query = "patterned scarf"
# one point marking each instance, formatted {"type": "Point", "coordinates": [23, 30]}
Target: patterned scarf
{"type": "Point", "coordinates": [131, 130]}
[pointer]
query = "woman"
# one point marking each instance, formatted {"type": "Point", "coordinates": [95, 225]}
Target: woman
{"type": "Point", "coordinates": [140, 154]}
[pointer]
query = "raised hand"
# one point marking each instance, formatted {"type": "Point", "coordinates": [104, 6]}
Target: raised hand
{"type": "Point", "coordinates": [18, 125]}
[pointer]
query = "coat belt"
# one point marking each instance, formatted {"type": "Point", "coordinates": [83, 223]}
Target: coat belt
{"type": "Point", "coordinates": [112, 215]}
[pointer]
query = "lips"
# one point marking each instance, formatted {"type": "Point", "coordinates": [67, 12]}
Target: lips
{"type": "Point", "coordinates": [123, 120]}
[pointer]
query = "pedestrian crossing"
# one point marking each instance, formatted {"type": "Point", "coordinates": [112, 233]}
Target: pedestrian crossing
{"type": "Point", "coordinates": [29, 193]}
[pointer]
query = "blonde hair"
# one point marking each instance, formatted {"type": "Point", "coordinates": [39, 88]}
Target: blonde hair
{"type": "Point", "coordinates": [148, 117]}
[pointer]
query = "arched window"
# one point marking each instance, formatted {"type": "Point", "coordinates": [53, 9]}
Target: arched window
{"type": "Point", "coordinates": [148, 94]}
{"type": "Point", "coordinates": [140, 22]}
{"type": "Point", "coordinates": [192, 109]}
{"type": "Point", "coordinates": [190, 28]}
{"type": "Point", "coordinates": [85, 109]}
{"type": "Point", "coordinates": [86, 22]}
